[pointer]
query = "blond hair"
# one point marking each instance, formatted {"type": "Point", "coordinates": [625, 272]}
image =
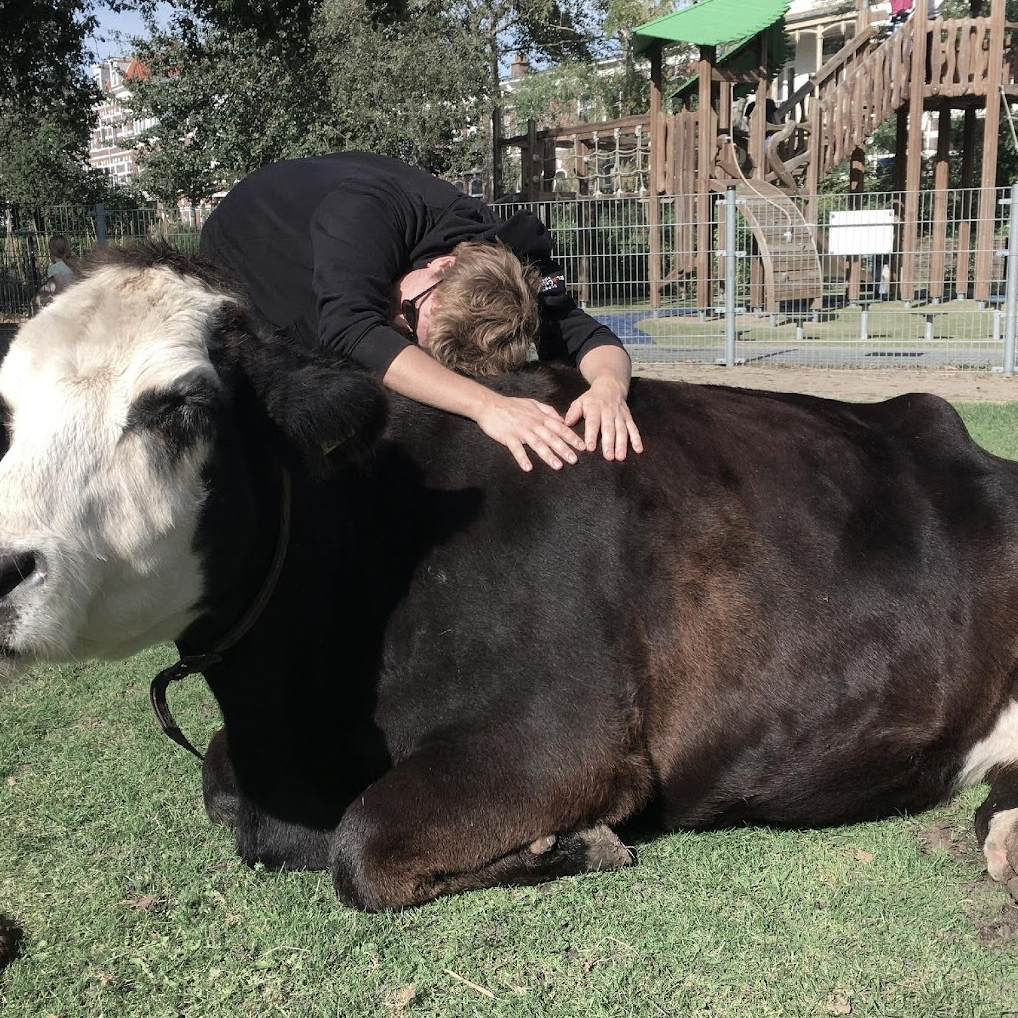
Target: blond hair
{"type": "Point", "coordinates": [487, 314]}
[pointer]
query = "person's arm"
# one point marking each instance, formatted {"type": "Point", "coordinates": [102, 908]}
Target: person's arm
{"type": "Point", "coordinates": [517, 423]}
{"type": "Point", "coordinates": [603, 406]}
{"type": "Point", "coordinates": [568, 333]}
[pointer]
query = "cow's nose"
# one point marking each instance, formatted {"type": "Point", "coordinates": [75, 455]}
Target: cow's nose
{"type": "Point", "coordinates": [15, 568]}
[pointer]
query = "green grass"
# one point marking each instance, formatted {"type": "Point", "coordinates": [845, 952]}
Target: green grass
{"type": "Point", "coordinates": [134, 905]}
{"type": "Point", "coordinates": [957, 325]}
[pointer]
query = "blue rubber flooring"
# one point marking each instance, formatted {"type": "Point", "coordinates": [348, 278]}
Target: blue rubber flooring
{"type": "Point", "coordinates": [626, 324]}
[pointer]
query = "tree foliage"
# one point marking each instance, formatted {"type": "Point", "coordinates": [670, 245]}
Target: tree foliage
{"type": "Point", "coordinates": [238, 84]}
{"type": "Point", "coordinates": [46, 106]}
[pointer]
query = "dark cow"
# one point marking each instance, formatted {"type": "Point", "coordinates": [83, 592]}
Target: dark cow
{"type": "Point", "coordinates": [788, 610]}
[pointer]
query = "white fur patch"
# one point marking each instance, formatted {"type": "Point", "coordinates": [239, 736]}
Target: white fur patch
{"type": "Point", "coordinates": [111, 521]}
{"type": "Point", "coordinates": [999, 747]}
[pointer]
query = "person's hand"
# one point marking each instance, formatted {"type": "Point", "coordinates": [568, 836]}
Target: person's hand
{"type": "Point", "coordinates": [604, 411]}
{"type": "Point", "coordinates": [521, 423]}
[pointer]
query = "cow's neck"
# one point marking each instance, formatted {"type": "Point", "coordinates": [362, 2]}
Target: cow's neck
{"type": "Point", "coordinates": [216, 632]}
{"type": "Point", "coordinates": [234, 606]}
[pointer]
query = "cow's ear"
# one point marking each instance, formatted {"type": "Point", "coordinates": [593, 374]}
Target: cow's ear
{"type": "Point", "coordinates": [324, 409]}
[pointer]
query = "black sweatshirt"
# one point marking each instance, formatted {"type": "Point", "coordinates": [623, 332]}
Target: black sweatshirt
{"type": "Point", "coordinates": [318, 244]}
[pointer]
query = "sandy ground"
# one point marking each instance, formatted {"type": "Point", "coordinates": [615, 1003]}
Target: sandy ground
{"type": "Point", "coordinates": [958, 386]}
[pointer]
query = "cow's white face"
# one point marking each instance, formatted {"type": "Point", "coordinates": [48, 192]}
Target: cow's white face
{"type": "Point", "coordinates": [101, 487]}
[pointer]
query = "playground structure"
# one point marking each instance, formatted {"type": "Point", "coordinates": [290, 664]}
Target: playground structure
{"type": "Point", "coordinates": [775, 157]}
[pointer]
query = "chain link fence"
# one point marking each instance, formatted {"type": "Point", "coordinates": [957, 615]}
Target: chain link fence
{"type": "Point", "coordinates": [739, 277]}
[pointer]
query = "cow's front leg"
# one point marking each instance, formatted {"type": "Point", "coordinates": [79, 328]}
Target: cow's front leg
{"type": "Point", "coordinates": [261, 838]}
{"type": "Point", "coordinates": [219, 782]}
{"type": "Point", "coordinates": [997, 827]}
{"type": "Point", "coordinates": [446, 821]}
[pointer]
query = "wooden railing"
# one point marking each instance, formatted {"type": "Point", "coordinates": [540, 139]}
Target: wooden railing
{"type": "Point", "coordinates": [834, 71]}
{"type": "Point", "coordinates": [855, 105]}
{"type": "Point", "coordinates": [833, 112]}
{"type": "Point", "coordinates": [959, 63]}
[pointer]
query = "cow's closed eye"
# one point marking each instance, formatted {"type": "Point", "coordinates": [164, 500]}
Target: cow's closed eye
{"type": "Point", "coordinates": [180, 416]}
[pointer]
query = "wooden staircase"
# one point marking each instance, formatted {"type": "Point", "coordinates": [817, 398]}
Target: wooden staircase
{"type": "Point", "coordinates": [784, 243]}
{"type": "Point", "coordinates": [869, 80]}
{"type": "Point", "coordinates": [834, 112]}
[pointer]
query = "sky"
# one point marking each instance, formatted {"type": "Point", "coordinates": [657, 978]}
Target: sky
{"type": "Point", "coordinates": [104, 40]}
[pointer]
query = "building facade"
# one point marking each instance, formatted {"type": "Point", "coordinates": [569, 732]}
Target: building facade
{"type": "Point", "coordinates": [114, 139]}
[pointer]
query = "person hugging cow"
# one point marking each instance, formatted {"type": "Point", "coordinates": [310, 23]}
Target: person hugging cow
{"type": "Point", "coordinates": [385, 263]}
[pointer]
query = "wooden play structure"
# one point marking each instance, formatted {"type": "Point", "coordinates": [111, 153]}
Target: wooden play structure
{"type": "Point", "coordinates": [722, 130]}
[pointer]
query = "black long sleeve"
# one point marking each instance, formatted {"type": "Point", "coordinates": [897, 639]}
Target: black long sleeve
{"type": "Point", "coordinates": [318, 244]}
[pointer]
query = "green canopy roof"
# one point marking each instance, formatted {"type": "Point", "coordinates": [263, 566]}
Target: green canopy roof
{"type": "Point", "coordinates": [711, 22]}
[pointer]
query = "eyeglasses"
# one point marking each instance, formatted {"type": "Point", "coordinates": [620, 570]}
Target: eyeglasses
{"type": "Point", "coordinates": [410, 309]}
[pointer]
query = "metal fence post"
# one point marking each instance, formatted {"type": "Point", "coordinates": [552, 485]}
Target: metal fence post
{"type": "Point", "coordinates": [1011, 292]}
{"type": "Point", "coordinates": [730, 275]}
{"type": "Point", "coordinates": [100, 223]}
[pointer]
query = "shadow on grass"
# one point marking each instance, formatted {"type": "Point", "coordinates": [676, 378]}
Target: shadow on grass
{"type": "Point", "coordinates": [10, 938]}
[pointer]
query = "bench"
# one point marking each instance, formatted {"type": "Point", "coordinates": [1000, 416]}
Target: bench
{"type": "Point", "coordinates": [929, 313]}
{"type": "Point", "coordinates": [863, 303]}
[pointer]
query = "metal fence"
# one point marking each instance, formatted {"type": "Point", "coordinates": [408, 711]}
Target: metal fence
{"type": "Point", "coordinates": [724, 303]}
{"type": "Point", "coordinates": [24, 257]}
{"type": "Point", "coordinates": [857, 319]}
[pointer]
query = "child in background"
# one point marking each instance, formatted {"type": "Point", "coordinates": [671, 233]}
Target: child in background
{"type": "Point", "coordinates": [59, 253]}
{"type": "Point", "coordinates": [900, 10]}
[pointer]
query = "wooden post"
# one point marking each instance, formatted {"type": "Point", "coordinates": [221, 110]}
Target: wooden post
{"type": "Point", "coordinates": [991, 137]}
{"type": "Point", "coordinates": [914, 164]}
{"type": "Point", "coordinates": [856, 183]}
{"type": "Point", "coordinates": [961, 270]}
{"type": "Point", "coordinates": [582, 221]}
{"type": "Point", "coordinates": [582, 248]}
{"type": "Point", "coordinates": [706, 155]}
{"type": "Point", "coordinates": [941, 182]}
{"type": "Point", "coordinates": [900, 145]}
{"type": "Point", "coordinates": [497, 187]}
{"type": "Point", "coordinates": [814, 171]}
{"type": "Point", "coordinates": [528, 154]}
{"type": "Point", "coordinates": [757, 152]}
{"type": "Point", "coordinates": [657, 164]}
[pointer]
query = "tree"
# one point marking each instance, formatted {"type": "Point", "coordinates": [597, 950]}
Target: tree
{"type": "Point", "coordinates": [415, 85]}
{"type": "Point", "coordinates": [231, 87]}
{"type": "Point", "coordinates": [235, 86]}
{"type": "Point", "coordinates": [47, 108]}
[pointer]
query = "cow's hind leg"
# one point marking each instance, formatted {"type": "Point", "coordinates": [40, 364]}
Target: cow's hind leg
{"type": "Point", "coordinates": [997, 827]}
{"type": "Point", "coordinates": [434, 826]}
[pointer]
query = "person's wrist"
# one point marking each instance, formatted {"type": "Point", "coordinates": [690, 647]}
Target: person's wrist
{"type": "Point", "coordinates": [608, 383]}
{"type": "Point", "coordinates": [482, 403]}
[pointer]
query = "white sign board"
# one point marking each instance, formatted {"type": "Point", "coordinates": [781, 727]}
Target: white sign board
{"type": "Point", "coordinates": [865, 232]}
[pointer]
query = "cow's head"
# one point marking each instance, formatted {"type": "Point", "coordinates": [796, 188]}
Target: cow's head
{"type": "Point", "coordinates": [116, 401]}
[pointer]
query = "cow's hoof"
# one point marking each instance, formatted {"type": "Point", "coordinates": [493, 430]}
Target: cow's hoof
{"type": "Point", "coordinates": [1001, 850]}
{"type": "Point", "coordinates": [604, 850]}
{"type": "Point", "coordinates": [542, 845]}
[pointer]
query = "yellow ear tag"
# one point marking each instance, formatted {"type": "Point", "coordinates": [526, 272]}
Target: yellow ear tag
{"type": "Point", "coordinates": [335, 443]}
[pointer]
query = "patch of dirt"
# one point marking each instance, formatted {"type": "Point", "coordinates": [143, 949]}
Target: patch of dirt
{"type": "Point", "coordinates": [960, 844]}
{"type": "Point", "coordinates": [10, 937]}
{"type": "Point", "coordinates": [994, 917]}
{"type": "Point", "coordinates": [998, 929]}
{"type": "Point", "coordinates": [846, 383]}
